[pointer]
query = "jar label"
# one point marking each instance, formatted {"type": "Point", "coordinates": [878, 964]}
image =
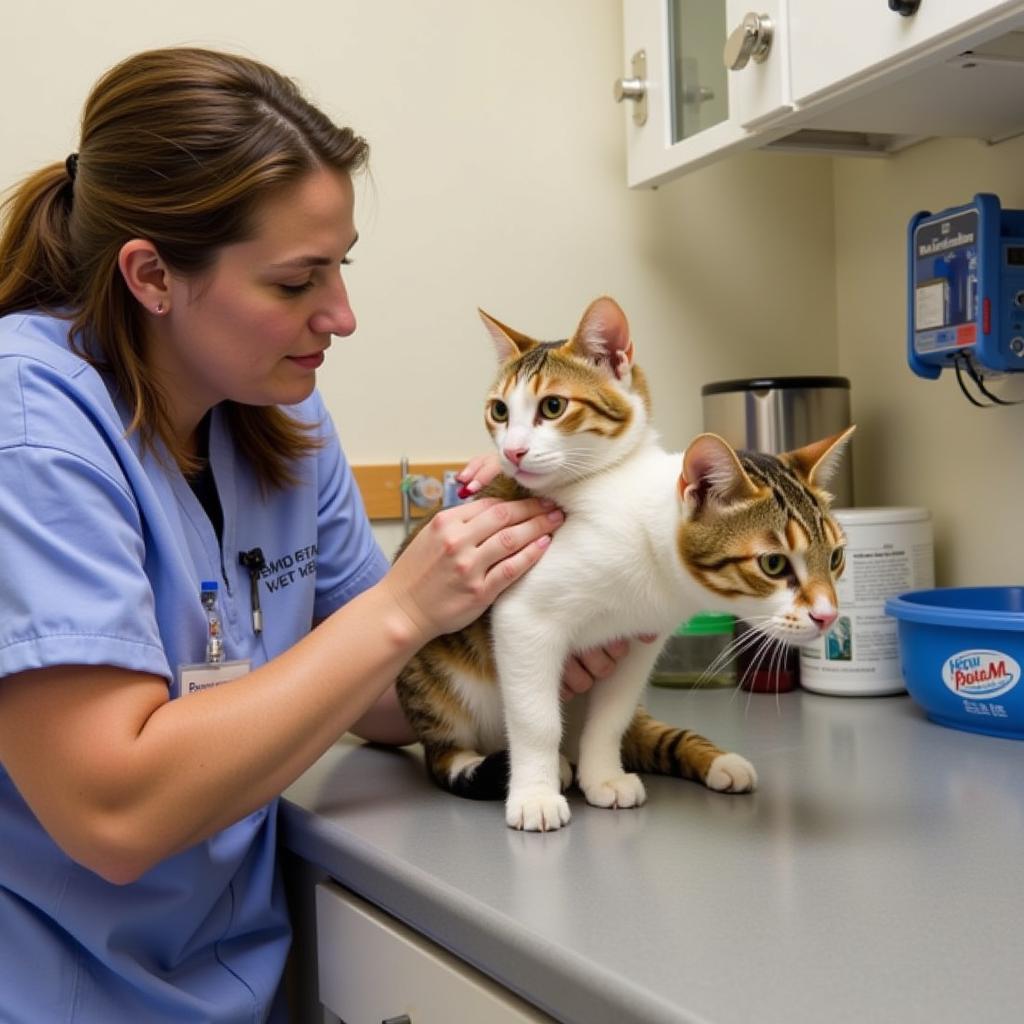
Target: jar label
{"type": "Point", "coordinates": [981, 674]}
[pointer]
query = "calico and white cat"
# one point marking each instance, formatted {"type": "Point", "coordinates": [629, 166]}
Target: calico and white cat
{"type": "Point", "coordinates": [650, 538]}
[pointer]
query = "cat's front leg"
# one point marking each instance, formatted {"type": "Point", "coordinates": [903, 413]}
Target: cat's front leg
{"type": "Point", "coordinates": [530, 678]}
{"type": "Point", "coordinates": [610, 709]}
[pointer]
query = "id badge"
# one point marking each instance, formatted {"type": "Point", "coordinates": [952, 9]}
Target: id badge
{"type": "Point", "coordinates": [205, 675]}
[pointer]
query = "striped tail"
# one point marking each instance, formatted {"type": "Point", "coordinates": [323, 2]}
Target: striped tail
{"type": "Point", "coordinates": [660, 749]}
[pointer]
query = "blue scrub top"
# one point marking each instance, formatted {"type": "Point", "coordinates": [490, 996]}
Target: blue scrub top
{"type": "Point", "coordinates": [104, 549]}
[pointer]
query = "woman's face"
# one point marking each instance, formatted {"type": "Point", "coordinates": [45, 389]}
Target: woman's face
{"type": "Point", "coordinates": [255, 327]}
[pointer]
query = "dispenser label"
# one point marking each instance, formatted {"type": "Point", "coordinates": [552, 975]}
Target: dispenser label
{"type": "Point", "coordinates": [980, 674]}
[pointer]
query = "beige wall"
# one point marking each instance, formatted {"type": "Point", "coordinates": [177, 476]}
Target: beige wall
{"type": "Point", "coordinates": [498, 181]}
{"type": "Point", "coordinates": [920, 442]}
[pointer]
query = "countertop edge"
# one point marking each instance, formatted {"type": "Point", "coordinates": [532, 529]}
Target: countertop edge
{"type": "Point", "coordinates": [548, 976]}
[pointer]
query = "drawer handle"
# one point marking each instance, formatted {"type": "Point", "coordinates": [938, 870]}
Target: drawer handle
{"type": "Point", "coordinates": [403, 1019]}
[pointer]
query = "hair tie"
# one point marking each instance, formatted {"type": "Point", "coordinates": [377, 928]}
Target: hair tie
{"type": "Point", "coordinates": [72, 165]}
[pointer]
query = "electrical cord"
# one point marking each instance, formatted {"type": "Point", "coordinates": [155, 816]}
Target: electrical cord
{"type": "Point", "coordinates": [963, 387]}
{"type": "Point", "coordinates": [979, 380]}
{"type": "Point", "coordinates": [963, 363]}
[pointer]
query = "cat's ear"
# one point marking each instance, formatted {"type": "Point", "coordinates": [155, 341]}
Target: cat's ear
{"type": "Point", "coordinates": [509, 343]}
{"type": "Point", "coordinates": [602, 337]}
{"type": "Point", "coordinates": [817, 462]}
{"type": "Point", "coordinates": [712, 472]}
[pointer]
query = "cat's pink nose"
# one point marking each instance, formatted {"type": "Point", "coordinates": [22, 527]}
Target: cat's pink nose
{"type": "Point", "coordinates": [823, 619]}
{"type": "Point", "coordinates": [515, 455]}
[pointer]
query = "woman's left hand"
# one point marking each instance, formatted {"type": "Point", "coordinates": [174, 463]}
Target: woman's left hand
{"type": "Point", "coordinates": [584, 669]}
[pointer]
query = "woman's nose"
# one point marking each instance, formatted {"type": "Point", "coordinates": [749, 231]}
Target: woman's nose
{"type": "Point", "coordinates": [335, 316]}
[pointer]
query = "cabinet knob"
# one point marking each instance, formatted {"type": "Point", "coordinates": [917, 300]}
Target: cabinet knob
{"type": "Point", "coordinates": [629, 89]}
{"type": "Point", "coordinates": [906, 8]}
{"type": "Point", "coordinates": [751, 41]}
{"type": "Point", "coordinates": [635, 87]}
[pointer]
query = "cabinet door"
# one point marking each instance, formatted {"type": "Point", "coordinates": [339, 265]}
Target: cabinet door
{"type": "Point", "coordinates": [373, 968]}
{"type": "Point", "coordinates": [759, 91]}
{"type": "Point", "coordinates": [840, 43]}
{"type": "Point", "coordinates": [696, 110]}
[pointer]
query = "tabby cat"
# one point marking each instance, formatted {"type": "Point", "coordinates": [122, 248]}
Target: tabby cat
{"type": "Point", "coordinates": [650, 538]}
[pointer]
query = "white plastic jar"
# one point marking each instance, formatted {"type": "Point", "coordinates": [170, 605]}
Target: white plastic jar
{"type": "Point", "coordinates": [888, 552]}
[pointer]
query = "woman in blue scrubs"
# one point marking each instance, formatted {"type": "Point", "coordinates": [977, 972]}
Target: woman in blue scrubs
{"type": "Point", "coordinates": [167, 294]}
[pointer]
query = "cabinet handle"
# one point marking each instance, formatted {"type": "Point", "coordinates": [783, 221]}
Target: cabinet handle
{"type": "Point", "coordinates": [751, 41]}
{"type": "Point", "coordinates": [905, 8]}
{"type": "Point", "coordinates": [635, 88]}
{"type": "Point", "coordinates": [403, 1019]}
{"type": "Point", "coordinates": [629, 89]}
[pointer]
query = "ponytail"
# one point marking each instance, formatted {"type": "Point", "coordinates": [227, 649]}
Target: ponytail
{"type": "Point", "coordinates": [36, 268]}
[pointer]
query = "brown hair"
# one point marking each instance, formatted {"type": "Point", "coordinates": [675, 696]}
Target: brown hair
{"type": "Point", "coordinates": [179, 146]}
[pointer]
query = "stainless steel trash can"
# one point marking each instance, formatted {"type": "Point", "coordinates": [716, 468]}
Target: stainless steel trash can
{"type": "Point", "coordinates": [777, 414]}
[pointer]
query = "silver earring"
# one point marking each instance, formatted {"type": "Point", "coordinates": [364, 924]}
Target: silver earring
{"type": "Point", "coordinates": [159, 308]}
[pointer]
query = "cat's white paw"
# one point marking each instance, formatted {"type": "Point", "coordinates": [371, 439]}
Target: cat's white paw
{"type": "Point", "coordinates": [536, 809]}
{"type": "Point", "coordinates": [565, 772]}
{"type": "Point", "coordinates": [730, 773]}
{"type": "Point", "coordinates": [624, 790]}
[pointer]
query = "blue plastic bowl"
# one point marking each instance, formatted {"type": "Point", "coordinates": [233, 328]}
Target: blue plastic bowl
{"type": "Point", "coordinates": [961, 652]}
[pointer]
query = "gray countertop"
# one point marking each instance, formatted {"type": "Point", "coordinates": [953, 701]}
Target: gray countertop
{"type": "Point", "coordinates": [875, 876]}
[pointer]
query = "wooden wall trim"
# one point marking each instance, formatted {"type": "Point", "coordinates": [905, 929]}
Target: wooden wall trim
{"type": "Point", "coordinates": [380, 485]}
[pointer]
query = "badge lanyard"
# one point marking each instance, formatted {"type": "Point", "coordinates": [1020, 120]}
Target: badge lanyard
{"type": "Point", "coordinates": [214, 670]}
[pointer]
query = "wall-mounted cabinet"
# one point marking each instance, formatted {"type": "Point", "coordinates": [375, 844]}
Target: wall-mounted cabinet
{"type": "Point", "coordinates": [704, 78]}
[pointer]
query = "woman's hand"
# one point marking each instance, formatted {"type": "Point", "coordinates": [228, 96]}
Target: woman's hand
{"type": "Point", "coordinates": [584, 669]}
{"type": "Point", "coordinates": [478, 473]}
{"type": "Point", "coordinates": [464, 557]}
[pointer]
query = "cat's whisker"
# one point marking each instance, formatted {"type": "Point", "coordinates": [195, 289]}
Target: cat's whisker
{"type": "Point", "coordinates": [748, 640]}
{"type": "Point", "coordinates": [765, 655]}
{"type": "Point", "coordinates": [779, 663]}
{"type": "Point", "coordinates": [730, 652]}
{"type": "Point", "coordinates": [757, 646]}
{"type": "Point", "coordinates": [727, 654]}
{"type": "Point", "coordinates": [577, 470]}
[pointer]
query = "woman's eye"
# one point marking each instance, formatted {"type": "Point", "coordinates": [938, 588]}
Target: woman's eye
{"type": "Point", "coordinates": [499, 411]}
{"type": "Point", "coordinates": [296, 289]}
{"type": "Point", "coordinates": [552, 407]}
{"type": "Point", "coordinates": [837, 560]}
{"type": "Point", "coordinates": [773, 565]}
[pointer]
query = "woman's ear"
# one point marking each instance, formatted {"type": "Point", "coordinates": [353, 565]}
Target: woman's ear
{"type": "Point", "coordinates": [145, 274]}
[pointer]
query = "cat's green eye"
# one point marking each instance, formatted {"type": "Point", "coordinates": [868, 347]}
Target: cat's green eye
{"type": "Point", "coordinates": [837, 560]}
{"type": "Point", "coordinates": [552, 407]}
{"type": "Point", "coordinates": [773, 565]}
{"type": "Point", "coordinates": [499, 411]}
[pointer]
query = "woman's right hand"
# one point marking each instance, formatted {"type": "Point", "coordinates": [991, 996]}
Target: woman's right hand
{"type": "Point", "coordinates": [465, 556]}
{"type": "Point", "coordinates": [478, 473]}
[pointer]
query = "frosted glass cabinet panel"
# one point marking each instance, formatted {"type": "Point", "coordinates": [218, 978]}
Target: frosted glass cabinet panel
{"type": "Point", "coordinates": [699, 95]}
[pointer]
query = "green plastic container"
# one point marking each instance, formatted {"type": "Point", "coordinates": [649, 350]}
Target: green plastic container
{"type": "Point", "coordinates": [692, 649]}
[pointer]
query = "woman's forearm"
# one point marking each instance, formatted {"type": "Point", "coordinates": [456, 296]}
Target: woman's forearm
{"type": "Point", "coordinates": [122, 777]}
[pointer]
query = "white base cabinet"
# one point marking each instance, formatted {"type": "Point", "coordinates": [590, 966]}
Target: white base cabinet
{"type": "Point", "coordinates": [373, 969]}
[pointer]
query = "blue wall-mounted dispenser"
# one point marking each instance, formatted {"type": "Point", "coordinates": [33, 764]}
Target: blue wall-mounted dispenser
{"type": "Point", "coordinates": [965, 306]}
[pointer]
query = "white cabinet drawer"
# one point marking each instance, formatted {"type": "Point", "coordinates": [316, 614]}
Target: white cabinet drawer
{"type": "Point", "coordinates": [373, 968]}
